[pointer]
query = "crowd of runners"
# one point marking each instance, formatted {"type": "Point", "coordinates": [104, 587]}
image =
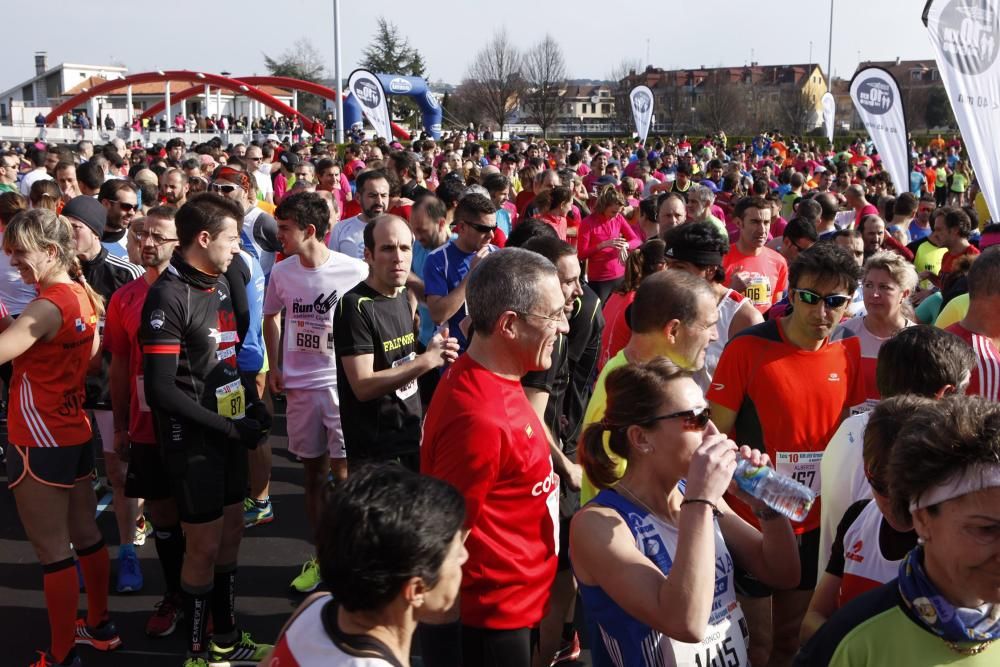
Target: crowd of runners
{"type": "Point", "coordinates": [519, 376]}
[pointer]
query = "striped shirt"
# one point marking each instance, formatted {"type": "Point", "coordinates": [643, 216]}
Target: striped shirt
{"type": "Point", "coordinates": [985, 379]}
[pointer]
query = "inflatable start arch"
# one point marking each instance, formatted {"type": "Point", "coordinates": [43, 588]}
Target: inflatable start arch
{"type": "Point", "coordinates": [411, 86]}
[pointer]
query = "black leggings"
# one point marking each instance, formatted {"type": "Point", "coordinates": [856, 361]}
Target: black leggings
{"type": "Point", "coordinates": [604, 288]}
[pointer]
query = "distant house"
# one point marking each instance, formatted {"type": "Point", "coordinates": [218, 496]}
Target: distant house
{"type": "Point", "coordinates": [925, 101]}
{"type": "Point", "coordinates": [49, 86]}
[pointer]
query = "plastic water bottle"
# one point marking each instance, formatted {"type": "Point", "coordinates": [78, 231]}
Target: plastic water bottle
{"type": "Point", "coordinates": [782, 494]}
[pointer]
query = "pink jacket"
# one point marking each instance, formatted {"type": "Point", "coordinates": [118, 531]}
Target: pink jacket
{"type": "Point", "coordinates": [604, 263]}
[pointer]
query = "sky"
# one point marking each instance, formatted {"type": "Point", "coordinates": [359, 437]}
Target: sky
{"type": "Point", "coordinates": [234, 36]}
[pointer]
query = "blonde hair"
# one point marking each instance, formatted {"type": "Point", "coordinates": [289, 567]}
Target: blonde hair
{"type": "Point", "coordinates": [609, 195]}
{"type": "Point", "coordinates": [40, 229]}
{"type": "Point", "coordinates": [901, 271]}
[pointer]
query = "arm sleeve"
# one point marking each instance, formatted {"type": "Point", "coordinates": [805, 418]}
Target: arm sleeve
{"type": "Point", "coordinates": [272, 295]}
{"type": "Point", "coordinates": [115, 339]}
{"type": "Point", "coordinates": [633, 239]}
{"type": "Point", "coordinates": [435, 282]}
{"type": "Point", "coordinates": [238, 276]}
{"type": "Point", "coordinates": [836, 564]}
{"type": "Point", "coordinates": [586, 243]}
{"type": "Point", "coordinates": [352, 329]}
{"type": "Point", "coordinates": [160, 350]}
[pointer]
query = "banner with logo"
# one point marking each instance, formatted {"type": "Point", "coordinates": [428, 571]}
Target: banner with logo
{"type": "Point", "coordinates": [642, 110]}
{"type": "Point", "coordinates": [368, 91]}
{"type": "Point", "coordinates": [966, 39]}
{"type": "Point", "coordinates": [875, 94]}
{"type": "Point", "coordinates": [829, 110]}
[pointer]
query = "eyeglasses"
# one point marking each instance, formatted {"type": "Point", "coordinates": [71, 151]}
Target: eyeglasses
{"type": "Point", "coordinates": [810, 298]}
{"type": "Point", "coordinates": [124, 206]}
{"type": "Point", "coordinates": [158, 239]}
{"type": "Point", "coordinates": [254, 158]}
{"type": "Point", "coordinates": [551, 322]}
{"type": "Point", "coordinates": [482, 229]}
{"type": "Point", "coordinates": [225, 188]}
{"type": "Point", "coordinates": [694, 420]}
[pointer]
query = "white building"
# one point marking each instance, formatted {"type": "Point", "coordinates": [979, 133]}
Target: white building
{"type": "Point", "coordinates": [21, 103]}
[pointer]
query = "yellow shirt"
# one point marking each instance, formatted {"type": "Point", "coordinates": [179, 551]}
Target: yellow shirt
{"type": "Point", "coordinates": [982, 210]}
{"type": "Point", "coordinates": [955, 311]}
{"type": "Point", "coordinates": [595, 413]}
{"type": "Point", "coordinates": [928, 258]}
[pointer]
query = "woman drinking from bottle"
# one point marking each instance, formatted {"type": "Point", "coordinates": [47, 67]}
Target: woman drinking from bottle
{"type": "Point", "coordinates": [654, 551]}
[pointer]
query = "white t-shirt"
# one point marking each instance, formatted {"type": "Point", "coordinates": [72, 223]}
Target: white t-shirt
{"type": "Point", "coordinates": [842, 480]}
{"type": "Point", "coordinates": [347, 237]}
{"type": "Point", "coordinates": [31, 177]}
{"type": "Point", "coordinates": [14, 293]}
{"type": "Point", "coordinates": [309, 298]}
{"type": "Point", "coordinates": [263, 182]}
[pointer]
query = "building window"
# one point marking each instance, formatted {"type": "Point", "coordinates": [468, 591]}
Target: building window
{"type": "Point", "coordinates": [605, 108]}
{"type": "Point", "coordinates": [914, 75]}
{"type": "Point", "coordinates": [593, 108]}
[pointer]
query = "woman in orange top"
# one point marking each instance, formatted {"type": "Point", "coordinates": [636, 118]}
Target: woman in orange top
{"type": "Point", "coordinates": [51, 456]}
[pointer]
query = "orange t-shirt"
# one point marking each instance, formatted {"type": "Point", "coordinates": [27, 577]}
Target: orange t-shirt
{"type": "Point", "coordinates": [788, 401]}
{"type": "Point", "coordinates": [46, 391]}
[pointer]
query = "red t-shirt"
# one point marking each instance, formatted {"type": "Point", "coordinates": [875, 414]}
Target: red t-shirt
{"type": "Point", "coordinates": [617, 332]}
{"type": "Point", "coordinates": [522, 201]}
{"type": "Point", "coordinates": [985, 380]}
{"type": "Point", "coordinates": [482, 436]}
{"type": "Point", "coordinates": [121, 338]}
{"type": "Point", "coordinates": [788, 400]}
{"type": "Point", "coordinates": [766, 275]}
{"type": "Point", "coordinates": [867, 209]}
{"type": "Point", "coordinates": [948, 260]}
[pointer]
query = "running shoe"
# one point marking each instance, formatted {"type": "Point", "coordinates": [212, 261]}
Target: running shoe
{"type": "Point", "coordinates": [143, 528]}
{"type": "Point", "coordinates": [104, 637]}
{"type": "Point", "coordinates": [197, 661]}
{"type": "Point", "coordinates": [164, 620]}
{"type": "Point", "coordinates": [129, 572]}
{"type": "Point", "coordinates": [569, 651]}
{"type": "Point", "coordinates": [45, 659]}
{"type": "Point", "coordinates": [255, 514]}
{"type": "Point", "coordinates": [308, 578]}
{"type": "Point", "coordinates": [244, 652]}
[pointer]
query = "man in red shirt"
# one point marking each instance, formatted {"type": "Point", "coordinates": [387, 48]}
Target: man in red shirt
{"type": "Point", "coordinates": [784, 387]}
{"type": "Point", "coordinates": [757, 272]}
{"type": "Point", "coordinates": [981, 326]}
{"type": "Point", "coordinates": [135, 438]}
{"type": "Point", "coordinates": [482, 436]}
{"type": "Point", "coordinates": [951, 231]}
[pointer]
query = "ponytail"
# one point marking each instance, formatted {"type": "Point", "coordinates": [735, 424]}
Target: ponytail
{"type": "Point", "coordinates": [75, 272]}
{"type": "Point", "coordinates": [601, 469]}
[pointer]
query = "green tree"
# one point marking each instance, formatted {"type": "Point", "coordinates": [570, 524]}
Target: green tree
{"type": "Point", "coordinates": [302, 61]}
{"type": "Point", "coordinates": [390, 53]}
{"type": "Point", "coordinates": [938, 112]}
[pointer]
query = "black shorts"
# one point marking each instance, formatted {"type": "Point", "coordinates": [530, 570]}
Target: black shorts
{"type": "Point", "coordinates": [61, 467]}
{"type": "Point", "coordinates": [146, 476]}
{"type": "Point", "coordinates": [748, 586]}
{"type": "Point", "coordinates": [206, 473]}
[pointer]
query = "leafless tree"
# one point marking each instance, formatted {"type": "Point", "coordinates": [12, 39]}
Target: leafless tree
{"type": "Point", "coordinates": [545, 80]}
{"type": "Point", "coordinates": [621, 85]}
{"type": "Point", "coordinates": [495, 80]}
{"type": "Point", "coordinates": [460, 108]}
{"type": "Point", "coordinates": [721, 106]}
{"type": "Point", "coordinates": [797, 110]}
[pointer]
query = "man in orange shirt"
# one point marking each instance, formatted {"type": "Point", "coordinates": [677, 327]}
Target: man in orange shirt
{"type": "Point", "coordinates": [752, 269]}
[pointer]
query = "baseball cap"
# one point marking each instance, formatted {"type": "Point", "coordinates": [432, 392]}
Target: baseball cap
{"type": "Point", "coordinates": [289, 159]}
{"type": "Point", "coordinates": [272, 137]}
{"type": "Point", "coordinates": [89, 211]}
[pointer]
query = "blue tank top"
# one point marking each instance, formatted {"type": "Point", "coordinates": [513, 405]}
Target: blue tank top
{"type": "Point", "coordinates": [251, 357]}
{"type": "Point", "coordinates": [619, 640]}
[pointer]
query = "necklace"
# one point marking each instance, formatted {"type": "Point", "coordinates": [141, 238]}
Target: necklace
{"type": "Point", "coordinates": [975, 649]}
{"type": "Point", "coordinates": [642, 504]}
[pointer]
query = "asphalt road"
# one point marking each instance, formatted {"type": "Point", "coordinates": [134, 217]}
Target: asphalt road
{"type": "Point", "coordinates": [270, 557]}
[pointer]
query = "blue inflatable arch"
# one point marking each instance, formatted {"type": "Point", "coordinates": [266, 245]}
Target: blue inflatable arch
{"type": "Point", "coordinates": [411, 86]}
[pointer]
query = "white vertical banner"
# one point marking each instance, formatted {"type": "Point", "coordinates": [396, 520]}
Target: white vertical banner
{"type": "Point", "coordinates": [829, 111]}
{"type": "Point", "coordinates": [875, 94]}
{"type": "Point", "coordinates": [966, 39]}
{"type": "Point", "coordinates": [641, 98]}
{"type": "Point", "coordinates": [368, 90]}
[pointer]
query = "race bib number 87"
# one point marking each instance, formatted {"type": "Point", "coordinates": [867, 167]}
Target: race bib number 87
{"type": "Point", "coordinates": [230, 400]}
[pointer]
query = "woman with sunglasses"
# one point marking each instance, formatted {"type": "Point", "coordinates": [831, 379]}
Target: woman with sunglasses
{"type": "Point", "coordinates": [871, 540]}
{"type": "Point", "coordinates": [886, 284]}
{"type": "Point", "coordinates": [654, 551]}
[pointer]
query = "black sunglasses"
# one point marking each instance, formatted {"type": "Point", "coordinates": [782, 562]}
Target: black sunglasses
{"type": "Point", "coordinates": [125, 206]}
{"type": "Point", "coordinates": [694, 420]}
{"type": "Point", "coordinates": [482, 229]}
{"type": "Point", "coordinates": [810, 298]}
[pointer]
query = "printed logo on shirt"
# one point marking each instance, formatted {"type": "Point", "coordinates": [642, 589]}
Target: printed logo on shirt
{"type": "Point", "coordinates": [855, 552]}
{"type": "Point", "coordinates": [157, 318]}
{"type": "Point", "coordinates": [321, 305]}
{"type": "Point", "coordinates": [718, 386]}
{"type": "Point", "coordinates": [528, 430]}
{"type": "Point", "coordinates": [550, 482]}
{"type": "Point", "coordinates": [79, 325]}
{"type": "Point", "coordinates": [834, 377]}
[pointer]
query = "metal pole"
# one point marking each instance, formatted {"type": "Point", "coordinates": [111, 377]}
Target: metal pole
{"type": "Point", "coordinates": [128, 104]}
{"type": "Point", "coordinates": [829, 54]}
{"type": "Point", "coordinates": [208, 100]}
{"type": "Point", "coordinates": [336, 71]}
{"type": "Point", "coordinates": [166, 100]}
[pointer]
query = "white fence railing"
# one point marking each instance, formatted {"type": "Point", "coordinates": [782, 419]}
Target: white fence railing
{"type": "Point", "coordinates": [65, 135]}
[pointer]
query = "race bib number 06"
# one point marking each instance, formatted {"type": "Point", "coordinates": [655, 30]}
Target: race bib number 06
{"type": "Point", "coordinates": [803, 467]}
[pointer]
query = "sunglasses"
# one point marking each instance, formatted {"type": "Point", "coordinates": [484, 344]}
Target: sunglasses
{"type": "Point", "coordinates": [125, 206]}
{"type": "Point", "coordinates": [222, 187]}
{"type": "Point", "coordinates": [482, 229]}
{"type": "Point", "coordinates": [694, 420]}
{"type": "Point", "coordinates": [810, 298]}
